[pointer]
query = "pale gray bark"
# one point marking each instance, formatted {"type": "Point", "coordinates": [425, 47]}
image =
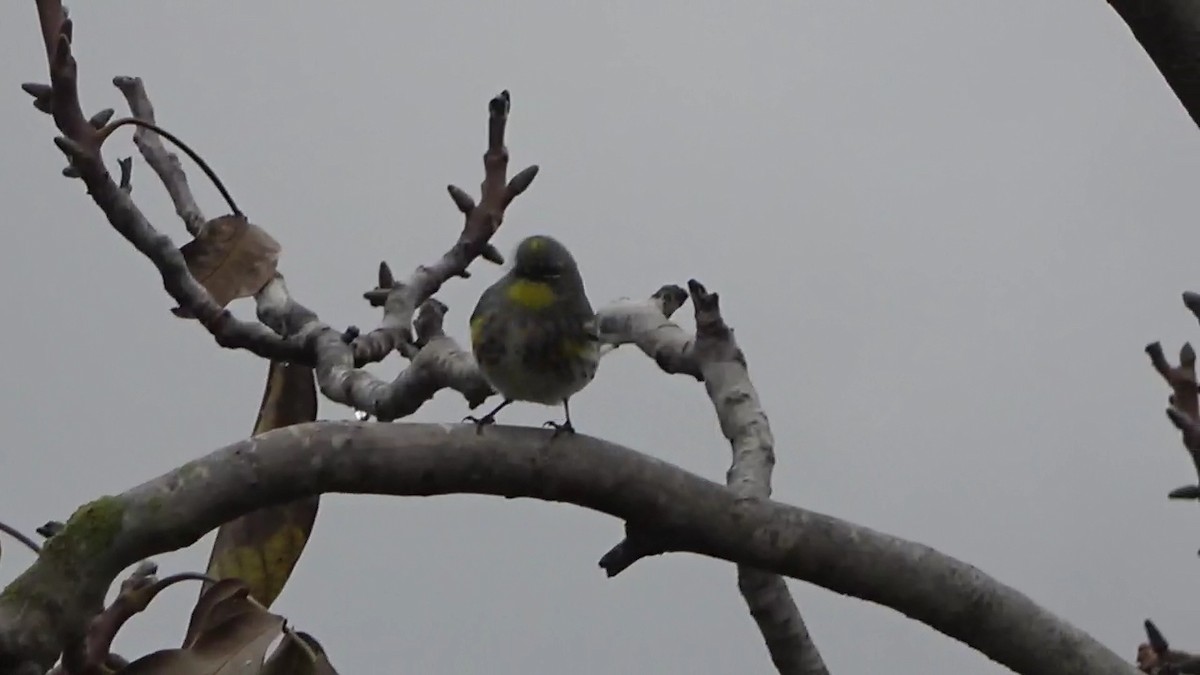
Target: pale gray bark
{"type": "Point", "coordinates": [164, 163]}
{"type": "Point", "coordinates": [713, 355]}
{"type": "Point", "coordinates": [51, 601]}
{"type": "Point", "coordinates": [337, 361]}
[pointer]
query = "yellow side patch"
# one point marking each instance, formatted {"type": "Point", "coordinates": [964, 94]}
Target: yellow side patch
{"type": "Point", "coordinates": [477, 329]}
{"type": "Point", "coordinates": [531, 294]}
{"type": "Point", "coordinates": [574, 348]}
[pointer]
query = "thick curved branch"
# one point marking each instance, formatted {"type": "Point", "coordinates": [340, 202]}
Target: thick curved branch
{"type": "Point", "coordinates": [1169, 31]}
{"type": "Point", "coordinates": [715, 357]}
{"type": "Point", "coordinates": [59, 593]}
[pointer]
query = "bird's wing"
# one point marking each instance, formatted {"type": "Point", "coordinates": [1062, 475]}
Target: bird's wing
{"type": "Point", "coordinates": [490, 297]}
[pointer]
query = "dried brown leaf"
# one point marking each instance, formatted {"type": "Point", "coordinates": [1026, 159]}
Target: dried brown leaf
{"type": "Point", "coordinates": [232, 258]}
{"type": "Point", "coordinates": [229, 635]}
{"type": "Point", "coordinates": [212, 596]}
{"type": "Point", "coordinates": [262, 548]}
{"type": "Point", "coordinates": [298, 654]}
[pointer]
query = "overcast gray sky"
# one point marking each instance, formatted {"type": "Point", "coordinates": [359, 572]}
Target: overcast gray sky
{"type": "Point", "coordinates": [944, 231]}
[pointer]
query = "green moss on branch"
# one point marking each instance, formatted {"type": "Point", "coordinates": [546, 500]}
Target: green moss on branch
{"type": "Point", "coordinates": [89, 532]}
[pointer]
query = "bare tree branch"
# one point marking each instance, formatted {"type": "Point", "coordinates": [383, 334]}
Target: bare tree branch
{"type": "Point", "coordinates": [438, 362]}
{"type": "Point", "coordinates": [715, 358]}
{"type": "Point", "coordinates": [1183, 405]}
{"type": "Point", "coordinates": [135, 594]}
{"type": "Point", "coordinates": [291, 332]}
{"type": "Point", "coordinates": [1155, 656]}
{"type": "Point", "coordinates": [21, 537]}
{"type": "Point", "coordinates": [744, 423]}
{"type": "Point", "coordinates": [57, 595]}
{"type": "Point", "coordinates": [647, 325]}
{"type": "Point", "coordinates": [164, 163]}
{"type": "Point", "coordinates": [338, 375]}
{"type": "Point", "coordinates": [80, 143]}
{"type": "Point", "coordinates": [482, 221]}
{"type": "Point", "coordinates": [1169, 31]}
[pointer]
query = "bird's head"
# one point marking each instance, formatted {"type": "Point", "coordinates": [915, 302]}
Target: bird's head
{"type": "Point", "coordinates": [543, 258]}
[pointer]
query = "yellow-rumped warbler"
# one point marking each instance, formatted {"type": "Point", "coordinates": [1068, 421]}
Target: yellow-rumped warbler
{"type": "Point", "coordinates": [533, 332]}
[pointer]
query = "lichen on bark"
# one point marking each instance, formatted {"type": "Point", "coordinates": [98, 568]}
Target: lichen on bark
{"type": "Point", "coordinates": [51, 595]}
{"type": "Point", "coordinates": [89, 531]}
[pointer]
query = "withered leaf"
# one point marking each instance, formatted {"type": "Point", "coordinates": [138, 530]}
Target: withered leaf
{"type": "Point", "coordinates": [230, 636]}
{"type": "Point", "coordinates": [262, 548]}
{"type": "Point", "coordinates": [213, 595]}
{"type": "Point", "coordinates": [298, 654]}
{"type": "Point", "coordinates": [232, 258]}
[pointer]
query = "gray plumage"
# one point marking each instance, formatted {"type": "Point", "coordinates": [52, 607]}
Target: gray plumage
{"type": "Point", "coordinates": [533, 331]}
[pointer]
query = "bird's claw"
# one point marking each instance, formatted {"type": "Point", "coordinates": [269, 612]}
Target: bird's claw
{"type": "Point", "coordinates": [559, 429]}
{"type": "Point", "coordinates": [480, 422]}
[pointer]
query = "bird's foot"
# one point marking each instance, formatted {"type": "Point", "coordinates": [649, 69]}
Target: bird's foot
{"type": "Point", "coordinates": [480, 422]}
{"type": "Point", "coordinates": [560, 429]}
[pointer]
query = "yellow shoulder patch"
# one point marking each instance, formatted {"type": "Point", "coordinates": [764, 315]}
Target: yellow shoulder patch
{"type": "Point", "coordinates": [477, 328]}
{"type": "Point", "coordinates": [531, 294]}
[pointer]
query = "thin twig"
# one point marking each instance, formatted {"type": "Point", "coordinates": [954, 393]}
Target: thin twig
{"type": "Point", "coordinates": [21, 537]}
{"type": "Point", "coordinates": [136, 594]}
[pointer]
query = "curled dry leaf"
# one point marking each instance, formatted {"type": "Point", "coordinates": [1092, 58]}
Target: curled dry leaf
{"type": "Point", "coordinates": [228, 635]}
{"type": "Point", "coordinates": [298, 654]}
{"type": "Point", "coordinates": [232, 258]}
{"type": "Point", "coordinates": [203, 613]}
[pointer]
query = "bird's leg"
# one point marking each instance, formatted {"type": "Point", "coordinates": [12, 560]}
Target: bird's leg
{"type": "Point", "coordinates": [490, 418]}
{"type": "Point", "coordinates": [565, 427]}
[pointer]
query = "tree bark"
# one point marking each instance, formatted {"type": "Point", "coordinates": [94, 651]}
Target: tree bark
{"type": "Point", "coordinates": [1169, 31]}
{"type": "Point", "coordinates": [52, 600]}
